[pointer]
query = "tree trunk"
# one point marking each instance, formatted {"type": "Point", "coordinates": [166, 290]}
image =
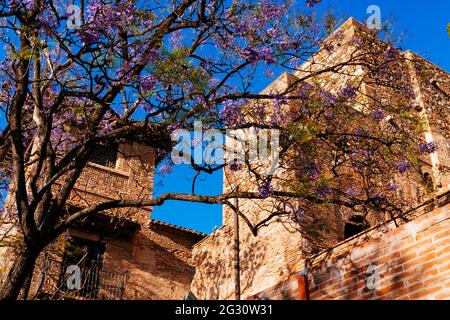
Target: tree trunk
{"type": "Point", "coordinates": [22, 268]}
{"type": "Point", "coordinates": [236, 262]}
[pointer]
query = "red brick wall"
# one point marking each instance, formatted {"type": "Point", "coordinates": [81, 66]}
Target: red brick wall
{"type": "Point", "coordinates": [157, 261]}
{"type": "Point", "coordinates": [407, 262]}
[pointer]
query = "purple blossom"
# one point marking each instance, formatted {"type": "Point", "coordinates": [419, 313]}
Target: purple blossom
{"type": "Point", "coordinates": [272, 32]}
{"type": "Point", "coordinates": [323, 190]}
{"type": "Point", "coordinates": [265, 189]}
{"type": "Point", "coordinates": [235, 166]}
{"type": "Point", "coordinates": [213, 82]}
{"type": "Point", "coordinates": [393, 186]}
{"type": "Point", "coordinates": [427, 147]}
{"type": "Point", "coordinates": [269, 11]}
{"type": "Point", "coordinates": [311, 3]}
{"type": "Point", "coordinates": [277, 114]}
{"type": "Point", "coordinates": [165, 169]}
{"type": "Point", "coordinates": [328, 98]}
{"type": "Point", "coordinates": [261, 111]}
{"type": "Point", "coordinates": [409, 92]}
{"type": "Point", "coordinates": [348, 92]}
{"type": "Point", "coordinates": [147, 83]}
{"type": "Point", "coordinates": [403, 166]}
{"type": "Point", "coordinates": [250, 54]}
{"type": "Point", "coordinates": [356, 41]}
{"type": "Point", "coordinates": [266, 54]}
{"type": "Point", "coordinates": [232, 113]}
{"type": "Point", "coordinates": [280, 100]}
{"type": "Point", "coordinates": [305, 90]}
{"type": "Point", "coordinates": [299, 214]}
{"type": "Point", "coordinates": [353, 192]}
{"type": "Point", "coordinates": [306, 112]}
{"type": "Point", "coordinates": [378, 200]}
{"type": "Point", "coordinates": [390, 53]}
{"type": "Point", "coordinates": [409, 106]}
{"type": "Point", "coordinates": [253, 55]}
{"type": "Point", "coordinates": [104, 18]}
{"type": "Point", "coordinates": [378, 115]}
{"type": "Point", "coordinates": [225, 41]}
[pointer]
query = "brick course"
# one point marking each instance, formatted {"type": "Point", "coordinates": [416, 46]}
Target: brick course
{"type": "Point", "coordinates": [415, 269]}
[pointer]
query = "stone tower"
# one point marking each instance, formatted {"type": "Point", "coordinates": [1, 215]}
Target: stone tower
{"type": "Point", "coordinates": [278, 250]}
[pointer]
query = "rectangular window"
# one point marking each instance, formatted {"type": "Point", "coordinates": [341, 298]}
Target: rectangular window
{"type": "Point", "coordinates": [105, 155]}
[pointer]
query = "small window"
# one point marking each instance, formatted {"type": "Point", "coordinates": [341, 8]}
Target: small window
{"type": "Point", "coordinates": [105, 155]}
{"type": "Point", "coordinates": [356, 225]}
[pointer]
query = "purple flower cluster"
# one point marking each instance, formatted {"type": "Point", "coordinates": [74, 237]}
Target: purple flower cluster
{"type": "Point", "coordinates": [269, 11]}
{"type": "Point", "coordinates": [323, 190]}
{"type": "Point", "coordinates": [104, 18]}
{"type": "Point", "coordinates": [378, 200]}
{"type": "Point", "coordinates": [409, 92]}
{"type": "Point", "coordinates": [305, 90]}
{"type": "Point", "coordinates": [403, 166]}
{"type": "Point", "coordinates": [147, 83]}
{"type": "Point", "coordinates": [390, 53]}
{"type": "Point", "coordinates": [427, 147]}
{"type": "Point", "coordinates": [253, 55]}
{"type": "Point", "coordinates": [378, 115]}
{"type": "Point", "coordinates": [265, 189]}
{"type": "Point", "coordinates": [235, 166]}
{"type": "Point", "coordinates": [176, 39]}
{"type": "Point", "coordinates": [328, 99]}
{"type": "Point", "coordinates": [299, 214]}
{"type": "Point", "coordinates": [348, 92]}
{"type": "Point", "coordinates": [280, 100]}
{"type": "Point", "coordinates": [165, 169]}
{"type": "Point", "coordinates": [393, 186]}
{"type": "Point", "coordinates": [356, 41]}
{"type": "Point", "coordinates": [311, 3]}
{"type": "Point", "coordinates": [273, 33]}
{"type": "Point", "coordinates": [353, 192]}
{"type": "Point", "coordinates": [232, 113]}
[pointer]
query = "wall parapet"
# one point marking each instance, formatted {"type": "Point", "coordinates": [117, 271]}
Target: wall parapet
{"type": "Point", "coordinates": [410, 261]}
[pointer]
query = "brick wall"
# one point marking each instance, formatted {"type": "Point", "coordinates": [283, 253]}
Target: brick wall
{"type": "Point", "coordinates": [131, 178]}
{"type": "Point", "coordinates": [388, 262]}
{"type": "Point", "coordinates": [154, 259]}
{"type": "Point", "coordinates": [266, 259]}
{"type": "Point", "coordinates": [153, 263]}
{"type": "Point", "coordinates": [157, 261]}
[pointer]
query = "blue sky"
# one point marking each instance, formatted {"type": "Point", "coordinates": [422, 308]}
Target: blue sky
{"type": "Point", "coordinates": [424, 24]}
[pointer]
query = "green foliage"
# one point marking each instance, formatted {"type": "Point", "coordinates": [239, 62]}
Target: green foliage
{"type": "Point", "coordinates": [176, 69]}
{"type": "Point", "coordinates": [448, 29]}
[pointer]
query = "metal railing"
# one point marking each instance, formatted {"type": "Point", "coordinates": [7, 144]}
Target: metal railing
{"type": "Point", "coordinates": [94, 283]}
